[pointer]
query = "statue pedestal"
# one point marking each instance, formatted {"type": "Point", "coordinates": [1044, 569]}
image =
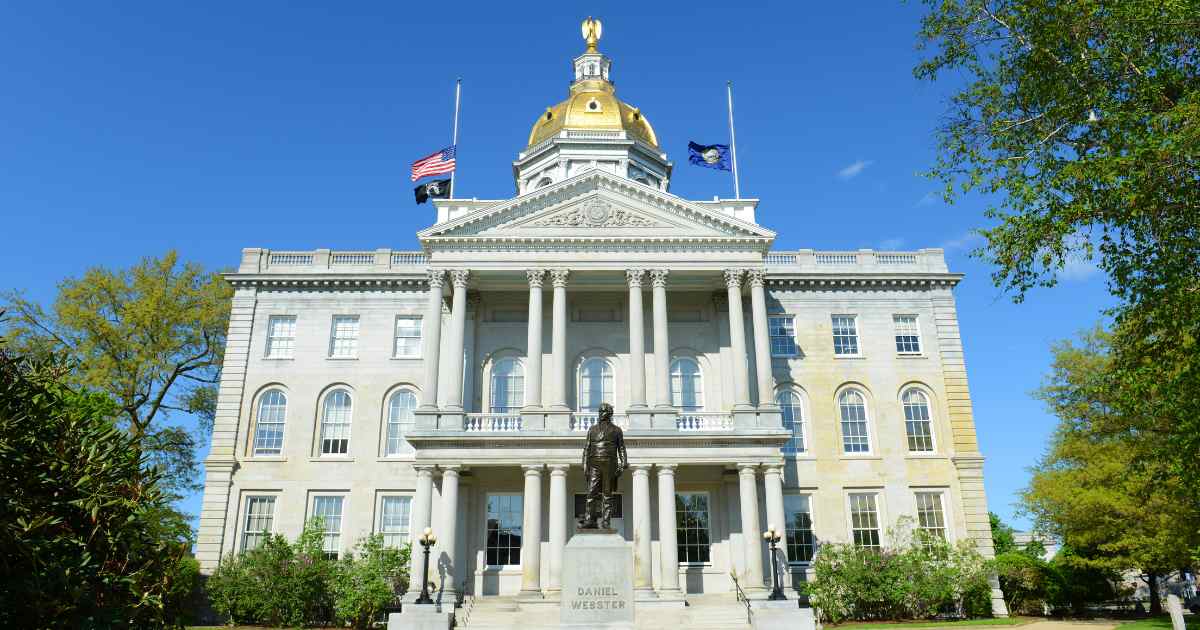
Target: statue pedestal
{"type": "Point", "coordinates": [597, 581]}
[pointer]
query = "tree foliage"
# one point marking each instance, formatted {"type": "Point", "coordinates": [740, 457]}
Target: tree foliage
{"type": "Point", "coordinates": [1081, 120]}
{"type": "Point", "coordinates": [368, 580]}
{"type": "Point", "coordinates": [152, 337]}
{"type": "Point", "coordinates": [87, 535]}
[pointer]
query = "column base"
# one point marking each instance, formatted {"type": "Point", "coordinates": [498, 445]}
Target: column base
{"type": "Point", "coordinates": [664, 418]}
{"type": "Point", "coordinates": [533, 419]}
{"type": "Point", "coordinates": [558, 421]}
{"type": "Point", "coordinates": [770, 417]}
{"type": "Point", "coordinates": [640, 417]}
{"type": "Point", "coordinates": [438, 419]}
{"type": "Point", "coordinates": [745, 418]}
{"type": "Point", "coordinates": [644, 593]}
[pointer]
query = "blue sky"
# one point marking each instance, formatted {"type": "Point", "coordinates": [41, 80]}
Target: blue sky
{"type": "Point", "coordinates": [208, 127]}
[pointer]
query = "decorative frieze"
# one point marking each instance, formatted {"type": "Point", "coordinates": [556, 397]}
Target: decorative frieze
{"type": "Point", "coordinates": [597, 213]}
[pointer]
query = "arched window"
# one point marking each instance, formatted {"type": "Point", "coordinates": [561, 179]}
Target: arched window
{"type": "Point", "coordinates": [595, 384]}
{"type": "Point", "coordinates": [793, 418]}
{"type": "Point", "coordinates": [399, 421]}
{"type": "Point", "coordinates": [335, 423]}
{"type": "Point", "coordinates": [268, 427]}
{"type": "Point", "coordinates": [508, 386]}
{"type": "Point", "coordinates": [687, 385]}
{"type": "Point", "coordinates": [916, 420]}
{"type": "Point", "coordinates": [855, 438]}
{"type": "Point", "coordinates": [545, 181]}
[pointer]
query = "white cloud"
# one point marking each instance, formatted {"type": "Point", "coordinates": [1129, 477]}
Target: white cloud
{"type": "Point", "coordinates": [855, 169]}
{"type": "Point", "coordinates": [929, 199]}
{"type": "Point", "coordinates": [1078, 265]}
{"type": "Point", "coordinates": [891, 244]}
{"type": "Point", "coordinates": [967, 241]}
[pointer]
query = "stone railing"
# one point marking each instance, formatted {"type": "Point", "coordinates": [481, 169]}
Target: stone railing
{"type": "Point", "coordinates": [704, 421]}
{"type": "Point", "coordinates": [492, 422]}
{"type": "Point", "coordinates": [930, 260]}
{"type": "Point", "coordinates": [584, 420]}
{"type": "Point", "coordinates": [323, 260]}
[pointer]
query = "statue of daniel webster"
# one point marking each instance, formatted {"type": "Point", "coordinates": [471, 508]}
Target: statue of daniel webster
{"type": "Point", "coordinates": [604, 460]}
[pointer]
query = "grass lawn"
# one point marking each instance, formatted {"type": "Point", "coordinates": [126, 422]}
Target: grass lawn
{"type": "Point", "coordinates": [1160, 623]}
{"type": "Point", "coordinates": [1007, 621]}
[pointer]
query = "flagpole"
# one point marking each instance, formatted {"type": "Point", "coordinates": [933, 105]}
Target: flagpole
{"type": "Point", "coordinates": [454, 138]}
{"type": "Point", "coordinates": [737, 190]}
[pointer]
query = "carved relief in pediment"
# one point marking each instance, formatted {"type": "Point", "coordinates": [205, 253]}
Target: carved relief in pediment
{"type": "Point", "coordinates": [597, 213]}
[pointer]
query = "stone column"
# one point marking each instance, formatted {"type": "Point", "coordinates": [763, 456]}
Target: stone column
{"type": "Point", "coordinates": [667, 543]}
{"type": "Point", "coordinates": [533, 345]}
{"type": "Point", "coordinates": [637, 341]}
{"type": "Point", "coordinates": [558, 524]}
{"type": "Point", "coordinates": [432, 332]}
{"type": "Point", "coordinates": [751, 532]}
{"type": "Point", "coordinates": [773, 485]}
{"type": "Point", "coordinates": [662, 346]}
{"type": "Point", "coordinates": [448, 534]}
{"type": "Point", "coordinates": [643, 569]}
{"type": "Point", "coordinates": [762, 338]}
{"type": "Point", "coordinates": [558, 333]}
{"type": "Point", "coordinates": [420, 519]}
{"type": "Point", "coordinates": [737, 340]}
{"type": "Point", "coordinates": [454, 344]}
{"type": "Point", "coordinates": [531, 533]}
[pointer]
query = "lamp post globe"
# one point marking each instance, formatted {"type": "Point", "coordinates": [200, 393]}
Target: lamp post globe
{"type": "Point", "coordinates": [426, 540]}
{"type": "Point", "coordinates": [773, 537]}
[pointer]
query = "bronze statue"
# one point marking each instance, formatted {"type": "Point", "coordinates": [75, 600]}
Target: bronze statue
{"type": "Point", "coordinates": [604, 460]}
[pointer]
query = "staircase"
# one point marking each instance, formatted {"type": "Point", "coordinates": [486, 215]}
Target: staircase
{"type": "Point", "coordinates": [717, 611]}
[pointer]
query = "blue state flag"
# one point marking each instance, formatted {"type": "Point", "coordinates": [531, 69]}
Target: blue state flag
{"type": "Point", "coordinates": [709, 155]}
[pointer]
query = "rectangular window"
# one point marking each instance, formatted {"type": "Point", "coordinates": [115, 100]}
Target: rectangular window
{"type": "Point", "coordinates": [845, 335]}
{"type": "Point", "coordinates": [329, 509]}
{"type": "Point", "coordinates": [799, 534]}
{"type": "Point", "coordinates": [692, 536]}
{"type": "Point", "coordinates": [864, 520]}
{"type": "Point", "coordinates": [394, 513]}
{"type": "Point", "coordinates": [783, 335]}
{"type": "Point", "coordinates": [908, 335]}
{"type": "Point", "coordinates": [929, 514]}
{"type": "Point", "coordinates": [503, 529]}
{"type": "Point", "coordinates": [408, 337]}
{"type": "Point", "coordinates": [343, 338]}
{"type": "Point", "coordinates": [281, 336]}
{"type": "Point", "coordinates": [260, 515]}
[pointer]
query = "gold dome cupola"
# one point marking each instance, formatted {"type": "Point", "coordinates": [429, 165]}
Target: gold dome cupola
{"type": "Point", "coordinates": [591, 129]}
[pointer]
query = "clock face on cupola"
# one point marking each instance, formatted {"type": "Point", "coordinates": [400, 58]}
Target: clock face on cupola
{"type": "Point", "coordinates": [591, 130]}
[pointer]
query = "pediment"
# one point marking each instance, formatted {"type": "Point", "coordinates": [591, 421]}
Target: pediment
{"type": "Point", "coordinates": [595, 205]}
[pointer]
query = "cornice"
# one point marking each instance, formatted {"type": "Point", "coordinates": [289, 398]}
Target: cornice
{"type": "Point", "coordinates": [597, 243]}
{"type": "Point", "coordinates": [843, 280]}
{"type": "Point", "coordinates": [416, 281]}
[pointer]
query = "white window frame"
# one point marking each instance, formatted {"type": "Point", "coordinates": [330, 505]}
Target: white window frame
{"type": "Point", "coordinates": [256, 449]}
{"type": "Point", "coordinates": [516, 392]}
{"type": "Point", "coordinates": [405, 534]}
{"type": "Point", "coordinates": [812, 528]}
{"type": "Point", "coordinates": [608, 379]}
{"type": "Point", "coordinates": [396, 428]}
{"type": "Point", "coordinates": [674, 386]}
{"type": "Point", "coordinates": [338, 534]}
{"type": "Point", "coordinates": [396, 337]}
{"type": "Point", "coordinates": [708, 501]}
{"type": "Point", "coordinates": [857, 337]}
{"type": "Point", "coordinates": [350, 341]}
{"type": "Point", "coordinates": [940, 494]}
{"type": "Point", "coordinates": [879, 514]}
{"type": "Point", "coordinates": [805, 438]}
{"type": "Point", "coordinates": [791, 338]}
{"type": "Point", "coordinates": [915, 332]}
{"type": "Point", "coordinates": [841, 422]}
{"type": "Point", "coordinates": [261, 534]}
{"type": "Point", "coordinates": [274, 349]}
{"type": "Point", "coordinates": [928, 421]}
{"type": "Point", "coordinates": [324, 423]}
{"type": "Point", "coordinates": [484, 546]}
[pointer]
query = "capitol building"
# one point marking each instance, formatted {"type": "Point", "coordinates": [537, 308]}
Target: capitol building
{"type": "Point", "coordinates": [822, 392]}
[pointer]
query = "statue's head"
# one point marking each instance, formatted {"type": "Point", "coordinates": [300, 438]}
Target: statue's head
{"type": "Point", "coordinates": [606, 412]}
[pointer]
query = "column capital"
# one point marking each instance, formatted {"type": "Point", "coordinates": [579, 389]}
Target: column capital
{"type": "Point", "coordinates": [424, 469]}
{"type": "Point", "coordinates": [559, 277]}
{"type": "Point", "coordinates": [533, 470]}
{"type": "Point", "coordinates": [450, 469]}
{"type": "Point", "coordinates": [436, 277]}
{"type": "Point", "coordinates": [643, 469]}
{"type": "Point", "coordinates": [733, 278]}
{"type": "Point", "coordinates": [666, 469]}
{"type": "Point", "coordinates": [756, 277]}
{"type": "Point", "coordinates": [535, 277]}
{"type": "Point", "coordinates": [746, 468]}
{"type": "Point", "coordinates": [460, 278]}
{"type": "Point", "coordinates": [634, 277]}
{"type": "Point", "coordinates": [773, 468]}
{"type": "Point", "coordinates": [558, 470]}
{"type": "Point", "coordinates": [659, 277]}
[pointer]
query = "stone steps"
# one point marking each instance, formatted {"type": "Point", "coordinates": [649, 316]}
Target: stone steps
{"type": "Point", "coordinates": [705, 612]}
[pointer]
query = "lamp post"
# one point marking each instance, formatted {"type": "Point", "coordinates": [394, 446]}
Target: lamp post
{"type": "Point", "coordinates": [427, 540]}
{"type": "Point", "coordinates": [772, 537]}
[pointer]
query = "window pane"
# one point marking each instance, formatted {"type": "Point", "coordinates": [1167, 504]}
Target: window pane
{"type": "Point", "coordinates": [343, 341]}
{"type": "Point", "coordinates": [929, 514]}
{"type": "Point", "coordinates": [686, 385]}
{"type": "Point", "coordinates": [800, 544]}
{"type": "Point", "coordinates": [793, 418]}
{"type": "Point", "coordinates": [281, 336]}
{"type": "Point", "coordinates": [508, 386]}
{"type": "Point", "coordinates": [400, 422]}
{"type": "Point", "coordinates": [595, 384]}
{"type": "Point", "coordinates": [855, 438]}
{"type": "Point", "coordinates": [845, 335]}
{"type": "Point", "coordinates": [504, 529]}
{"type": "Point", "coordinates": [864, 520]}
{"type": "Point", "coordinates": [335, 424]}
{"type": "Point", "coordinates": [268, 428]}
{"type": "Point", "coordinates": [908, 335]}
{"type": "Point", "coordinates": [330, 511]}
{"type": "Point", "coordinates": [394, 519]}
{"type": "Point", "coordinates": [783, 335]}
{"type": "Point", "coordinates": [916, 421]}
{"type": "Point", "coordinates": [260, 515]}
{"type": "Point", "coordinates": [691, 514]}
{"type": "Point", "coordinates": [408, 336]}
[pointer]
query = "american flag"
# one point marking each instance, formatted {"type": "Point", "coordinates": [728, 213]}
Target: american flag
{"type": "Point", "coordinates": [437, 163]}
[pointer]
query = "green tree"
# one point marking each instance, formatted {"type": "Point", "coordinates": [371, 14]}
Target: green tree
{"type": "Point", "coordinates": [152, 337]}
{"type": "Point", "coordinates": [87, 536]}
{"type": "Point", "coordinates": [1086, 491]}
{"type": "Point", "coordinates": [1003, 536]}
{"type": "Point", "coordinates": [368, 580]}
{"type": "Point", "coordinates": [1081, 120]}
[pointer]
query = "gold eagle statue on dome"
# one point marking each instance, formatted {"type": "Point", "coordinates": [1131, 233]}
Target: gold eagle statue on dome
{"type": "Point", "coordinates": [591, 32]}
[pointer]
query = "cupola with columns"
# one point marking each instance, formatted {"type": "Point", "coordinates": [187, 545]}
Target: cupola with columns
{"type": "Point", "coordinates": [591, 129]}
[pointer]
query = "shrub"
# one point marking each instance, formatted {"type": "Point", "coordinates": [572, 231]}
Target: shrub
{"type": "Point", "coordinates": [919, 577]}
{"type": "Point", "coordinates": [367, 580]}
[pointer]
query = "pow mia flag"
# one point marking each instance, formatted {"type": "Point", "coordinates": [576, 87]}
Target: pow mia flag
{"type": "Point", "coordinates": [436, 189]}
